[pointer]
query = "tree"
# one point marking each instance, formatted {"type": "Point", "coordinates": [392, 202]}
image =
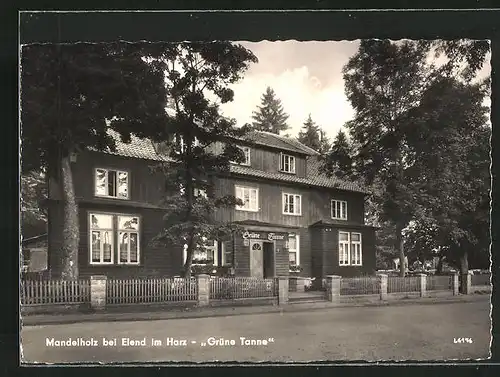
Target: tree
{"type": "Point", "coordinates": [201, 142]}
{"type": "Point", "coordinates": [310, 135]}
{"type": "Point", "coordinates": [383, 81]}
{"type": "Point", "coordinates": [338, 161]}
{"type": "Point", "coordinates": [270, 115]}
{"type": "Point", "coordinates": [324, 143]}
{"type": "Point", "coordinates": [70, 96]}
{"type": "Point", "coordinates": [452, 168]}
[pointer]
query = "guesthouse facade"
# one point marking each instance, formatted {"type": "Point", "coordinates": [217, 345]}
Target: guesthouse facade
{"type": "Point", "coordinates": [293, 219]}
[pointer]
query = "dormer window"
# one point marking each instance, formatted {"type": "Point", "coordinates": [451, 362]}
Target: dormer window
{"type": "Point", "coordinates": [111, 183]}
{"type": "Point", "coordinates": [181, 146]}
{"type": "Point", "coordinates": [246, 153]}
{"type": "Point", "coordinates": [287, 163]}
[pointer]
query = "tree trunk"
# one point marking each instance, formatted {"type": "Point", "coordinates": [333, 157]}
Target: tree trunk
{"type": "Point", "coordinates": [400, 249]}
{"type": "Point", "coordinates": [439, 268]}
{"type": "Point", "coordinates": [464, 263]}
{"type": "Point", "coordinates": [189, 257]}
{"type": "Point", "coordinates": [70, 231]}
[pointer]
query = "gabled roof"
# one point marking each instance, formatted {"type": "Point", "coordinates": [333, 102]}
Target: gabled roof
{"type": "Point", "coordinates": [279, 142]}
{"type": "Point", "coordinates": [145, 149]}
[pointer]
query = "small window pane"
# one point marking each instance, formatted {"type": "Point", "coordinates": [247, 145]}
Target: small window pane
{"type": "Point", "coordinates": [96, 246]}
{"type": "Point", "coordinates": [100, 182]}
{"type": "Point", "coordinates": [128, 222]}
{"type": "Point", "coordinates": [292, 243]}
{"type": "Point", "coordinates": [111, 183]}
{"type": "Point", "coordinates": [107, 246]}
{"type": "Point", "coordinates": [133, 247]}
{"type": "Point", "coordinates": [123, 184]}
{"type": "Point", "coordinates": [356, 237]}
{"type": "Point", "coordinates": [344, 236]}
{"type": "Point", "coordinates": [99, 221]}
{"type": "Point", "coordinates": [297, 200]}
{"type": "Point", "coordinates": [293, 258]}
{"type": "Point", "coordinates": [124, 241]}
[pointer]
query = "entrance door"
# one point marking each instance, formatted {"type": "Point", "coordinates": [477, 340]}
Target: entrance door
{"type": "Point", "coordinates": [256, 259]}
{"type": "Point", "coordinates": [268, 260]}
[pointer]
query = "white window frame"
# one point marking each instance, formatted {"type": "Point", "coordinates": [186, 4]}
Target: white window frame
{"type": "Point", "coordinates": [179, 140]}
{"type": "Point", "coordinates": [117, 172]}
{"type": "Point", "coordinates": [247, 153]}
{"type": "Point", "coordinates": [291, 163]}
{"type": "Point", "coordinates": [350, 246]}
{"type": "Point", "coordinates": [215, 249]}
{"type": "Point", "coordinates": [128, 231]}
{"type": "Point", "coordinates": [286, 201]}
{"type": "Point", "coordinates": [243, 188]}
{"type": "Point", "coordinates": [357, 262]}
{"type": "Point", "coordinates": [296, 250]}
{"type": "Point", "coordinates": [223, 253]}
{"type": "Point", "coordinates": [333, 209]}
{"type": "Point", "coordinates": [112, 239]}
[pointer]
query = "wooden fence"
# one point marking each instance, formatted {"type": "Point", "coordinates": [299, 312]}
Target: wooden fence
{"type": "Point", "coordinates": [359, 286]}
{"type": "Point", "coordinates": [151, 290]}
{"type": "Point", "coordinates": [42, 292]}
{"type": "Point", "coordinates": [242, 287]}
{"type": "Point", "coordinates": [396, 284]}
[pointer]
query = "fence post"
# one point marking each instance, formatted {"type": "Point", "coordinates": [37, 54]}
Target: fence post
{"type": "Point", "coordinates": [455, 283]}
{"type": "Point", "coordinates": [333, 288]}
{"type": "Point", "coordinates": [203, 289]}
{"type": "Point", "coordinates": [423, 285]}
{"type": "Point", "coordinates": [98, 285]}
{"type": "Point", "coordinates": [466, 283]}
{"type": "Point", "coordinates": [283, 290]}
{"type": "Point", "coordinates": [382, 281]}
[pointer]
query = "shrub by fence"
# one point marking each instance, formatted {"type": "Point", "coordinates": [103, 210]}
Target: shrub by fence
{"type": "Point", "coordinates": [40, 292]}
{"type": "Point", "coordinates": [150, 290]}
{"type": "Point", "coordinates": [397, 284]}
{"type": "Point", "coordinates": [359, 286]}
{"type": "Point", "coordinates": [242, 287]}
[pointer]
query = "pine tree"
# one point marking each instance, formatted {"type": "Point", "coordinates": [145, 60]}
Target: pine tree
{"type": "Point", "coordinates": [194, 135]}
{"type": "Point", "coordinates": [310, 135]}
{"type": "Point", "coordinates": [270, 115]}
{"type": "Point", "coordinates": [339, 159]}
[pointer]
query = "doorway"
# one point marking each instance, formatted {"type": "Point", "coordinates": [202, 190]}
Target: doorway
{"type": "Point", "coordinates": [262, 263]}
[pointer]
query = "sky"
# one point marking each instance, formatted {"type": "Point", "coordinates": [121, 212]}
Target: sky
{"type": "Point", "coordinates": [306, 77]}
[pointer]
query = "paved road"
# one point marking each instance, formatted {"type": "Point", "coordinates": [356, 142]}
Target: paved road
{"type": "Point", "coordinates": [408, 332]}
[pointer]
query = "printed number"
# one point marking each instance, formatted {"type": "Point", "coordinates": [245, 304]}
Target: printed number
{"type": "Point", "coordinates": [462, 340]}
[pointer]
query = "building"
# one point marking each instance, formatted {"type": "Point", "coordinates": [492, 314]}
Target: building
{"type": "Point", "coordinates": [34, 251]}
{"type": "Point", "coordinates": [292, 216]}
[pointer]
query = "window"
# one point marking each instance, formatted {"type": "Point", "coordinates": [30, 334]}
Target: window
{"type": "Point", "coordinates": [246, 152]}
{"type": "Point", "coordinates": [181, 145]}
{"type": "Point", "coordinates": [200, 192]}
{"type": "Point", "coordinates": [294, 249]}
{"type": "Point", "coordinates": [250, 198]}
{"type": "Point", "coordinates": [350, 251]}
{"type": "Point", "coordinates": [111, 183]}
{"type": "Point", "coordinates": [105, 229]}
{"type": "Point", "coordinates": [292, 204]}
{"type": "Point", "coordinates": [227, 254]}
{"type": "Point", "coordinates": [206, 255]}
{"type": "Point", "coordinates": [101, 242]}
{"type": "Point", "coordinates": [128, 239]}
{"type": "Point", "coordinates": [339, 209]}
{"type": "Point", "coordinates": [287, 163]}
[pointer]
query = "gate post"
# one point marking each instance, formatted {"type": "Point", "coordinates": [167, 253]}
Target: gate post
{"type": "Point", "coordinates": [282, 290]}
{"type": "Point", "coordinates": [98, 285]}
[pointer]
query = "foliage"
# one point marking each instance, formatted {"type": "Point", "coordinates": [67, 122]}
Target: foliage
{"type": "Point", "coordinates": [309, 135]}
{"type": "Point", "coordinates": [338, 161]}
{"type": "Point", "coordinates": [70, 95]}
{"type": "Point", "coordinates": [200, 141]}
{"type": "Point", "coordinates": [33, 196]}
{"type": "Point", "coordinates": [270, 115]}
{"type": "Point", "coordinates": [452, 170]}
{"type": "Point", "coordinates": [295, 268]}
{"type": "Point", "coordinates": [465, 57]}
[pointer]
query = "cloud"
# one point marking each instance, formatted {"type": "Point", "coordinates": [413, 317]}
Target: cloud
{"type": "Point", "coordinates": [300, 93]}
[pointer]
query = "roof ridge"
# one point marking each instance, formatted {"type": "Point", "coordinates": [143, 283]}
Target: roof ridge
{"type": "Point", "coordinates": [288, 139]}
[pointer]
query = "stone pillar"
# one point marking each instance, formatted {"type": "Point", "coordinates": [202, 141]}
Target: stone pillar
{"type": "Point", "coordinates": [282, 290]}
{"type": "Point", "coordinates": [455, 283]}
{"type": "Point", "coordinates": [466, 284]}
{"type": "Point", "coordinates": [203, 289]}
{"type": "Point", "coordinates": [98, 292]}
{"type": "Point", "coordinates": [333, 288]}
{"type": "Point", "coordinates": [382, 281]}
{"type": "Point", "coordinates": [423, 285]}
